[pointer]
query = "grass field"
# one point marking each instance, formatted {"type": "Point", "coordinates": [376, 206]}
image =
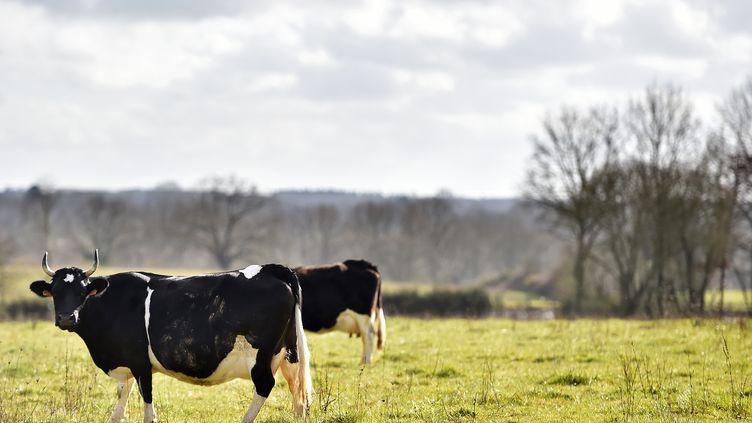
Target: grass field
{"type": "Point", "coordinates": [432, 370]}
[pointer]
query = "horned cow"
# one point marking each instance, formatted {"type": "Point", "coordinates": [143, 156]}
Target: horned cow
{"type": "Point", "coordinates": [203, 330]}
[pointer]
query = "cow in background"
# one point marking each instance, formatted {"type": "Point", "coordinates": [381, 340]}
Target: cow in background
{"type": "Point", "coordinates": [345, 297]}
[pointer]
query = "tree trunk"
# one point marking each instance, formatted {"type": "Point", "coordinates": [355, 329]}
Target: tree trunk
{"type": "Point", "coordinates": [579, 274]}
{"type": "Point", "coordinates": [660, 291]}
{"type": "Point", "coordinates": [222, 259]}
{"type": "Point", "coordinates": [722, 287]}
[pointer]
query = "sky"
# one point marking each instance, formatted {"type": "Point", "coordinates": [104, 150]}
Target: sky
{"type": "Point", "coordinates": [401, 96]}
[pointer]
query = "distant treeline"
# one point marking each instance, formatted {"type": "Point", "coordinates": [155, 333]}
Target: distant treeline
{"type": "Point", "coordinates": [656, 204]}
{"type": "Point", "coordinates": [472, 302]}
{"type": "Point", "coordinates": [225, 223]}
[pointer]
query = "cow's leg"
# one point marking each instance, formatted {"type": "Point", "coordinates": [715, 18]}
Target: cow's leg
{"type": "Point", "coordinates": [124, 389]}
{"type": "Point", "coordinates": [367, 333]}
{"type": "Point", "coordinates": [381, 331]}
{"type": "Point", "coordinates": [290, 372]}
{"type": "Point", "coordinates": [263, 381]}
{"type": "Point", "coordinates": [144, 385]}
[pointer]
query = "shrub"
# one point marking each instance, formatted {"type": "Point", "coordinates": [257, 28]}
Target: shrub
{"type": "Point", "coordinates": [26, 310]}
{"type": "Point", "coordinates": [439, 302]}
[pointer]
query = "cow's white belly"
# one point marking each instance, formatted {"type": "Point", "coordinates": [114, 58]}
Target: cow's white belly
{"type": "Point", "coordinates": [120, 373]}
{"type": "Point", "coordinates": [237, 364]}
{"type": "Point", "coordinates": [349, 322]}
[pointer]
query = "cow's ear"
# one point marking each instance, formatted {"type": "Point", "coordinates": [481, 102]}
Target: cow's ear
{"type": "Point", "coordinates": [41, 288]}
{"type": "Point", "coordinates": [97, 286]}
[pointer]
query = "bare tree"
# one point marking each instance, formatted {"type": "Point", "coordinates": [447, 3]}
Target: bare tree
{"type": "Point", "coordinates": [7, 250]}
{"type": "Point", "coordinates": [102, 223]}
{"type": "Point", "coordinates": [736, 112]}
{"type": "Point", "coordinates": [320, 222]}
{"type": "Point", "coordinates": [662, 131]}
{"type": "Point", "coordinates": [485, 245]}
{"type": "Point", "coordinates": [704, 223]}
{"type": "Point", "coordinates": [373, 221]}
{"type": "Point", "coordinates": [624, 233]}
{"type": "Point", "coordinates": [564, 178]}
{"type": "Point", "coordinates": [218, 220]}
{"type": "Point", "coordinates": [40, 204]}
{"type": "Point", "coordinates": [426, 223]}
{"type": "Point", "coordinates": [737, 118]}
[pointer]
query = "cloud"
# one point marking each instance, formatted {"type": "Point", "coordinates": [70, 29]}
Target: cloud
{"type": "Point", "coordinates": [146, 9]}
{"type": "Point", "coordinates": [732, 15]}
{"type": "Point", "coordinates": [346, 82]}
{"type": "Point", "coordinates": [393, 96]}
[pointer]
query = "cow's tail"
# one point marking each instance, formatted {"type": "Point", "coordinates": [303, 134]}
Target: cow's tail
{"type": "Point", "coordinates": [305, 384]}
{"type": "Point", "coordinates": [296, 341]}
{"type": "Point", "coordinates": [381, 321]}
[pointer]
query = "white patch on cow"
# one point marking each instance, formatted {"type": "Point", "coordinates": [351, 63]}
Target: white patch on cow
{"type": "Point", "coordinates": [141, 276]}
{"type": "Point", "coordinates": [85, 282]}
{"type": "Point", "coordinates": [176, 278]}
{"type": "Point", "coordinates": [147, 315]}
{"type": "Point", "coordinates": [69, 278]}
{"type": "Point", "coordinates": [147, 312]}
{"type": "Point", "coordinates": [149, 415]}
{"type": "Point", "coordinates": [251, 271]}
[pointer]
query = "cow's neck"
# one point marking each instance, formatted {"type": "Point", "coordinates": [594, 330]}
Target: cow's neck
{"type": "Point", "coordinates": [95, 321]}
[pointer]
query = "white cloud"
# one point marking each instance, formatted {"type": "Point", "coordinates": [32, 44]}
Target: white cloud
{"type": "Point", "coordinates": [691, 20]}
{"type": "Point", "coordinates": [315, 57]}
{"type": "Point", "coordinates": [431, 81]}
{"type": "Point", "coordinates": [673, 68]}
{"type": "Point", "coordinates": [272, 82]}
{"type": "Point", "coordinates": [395, 96]}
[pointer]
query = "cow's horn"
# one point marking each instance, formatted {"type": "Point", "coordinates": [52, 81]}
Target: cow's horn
{"type": "Point", "coordinates": [45, 266]}
{"type": "Point", "coordinates": [96, 264]}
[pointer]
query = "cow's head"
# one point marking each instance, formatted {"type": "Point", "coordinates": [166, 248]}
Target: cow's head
{"type": "Point", "coordinates": [70, 288]}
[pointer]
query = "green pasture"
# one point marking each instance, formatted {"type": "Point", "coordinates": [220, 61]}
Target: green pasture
{"type": "Point", "coordinates": [432, 370]}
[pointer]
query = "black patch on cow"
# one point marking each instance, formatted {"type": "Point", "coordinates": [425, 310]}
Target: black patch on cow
{"type": "Point", "coordinates": [331, 289]}
{"type": "Point", "coordinates": [221, 307]}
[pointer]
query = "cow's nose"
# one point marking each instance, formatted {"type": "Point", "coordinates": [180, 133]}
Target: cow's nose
{"type": "Point", "coordinates": [65, 321]}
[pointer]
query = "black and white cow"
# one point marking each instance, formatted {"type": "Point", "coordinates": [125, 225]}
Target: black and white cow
{"type": "Point", "coordinates": [345, 297]}
{"type": "Point", "coordinates": [204, 330]}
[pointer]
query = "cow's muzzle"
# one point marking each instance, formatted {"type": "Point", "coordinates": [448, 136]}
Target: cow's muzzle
{"type": "Point", "coordinates": [65, 321]}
